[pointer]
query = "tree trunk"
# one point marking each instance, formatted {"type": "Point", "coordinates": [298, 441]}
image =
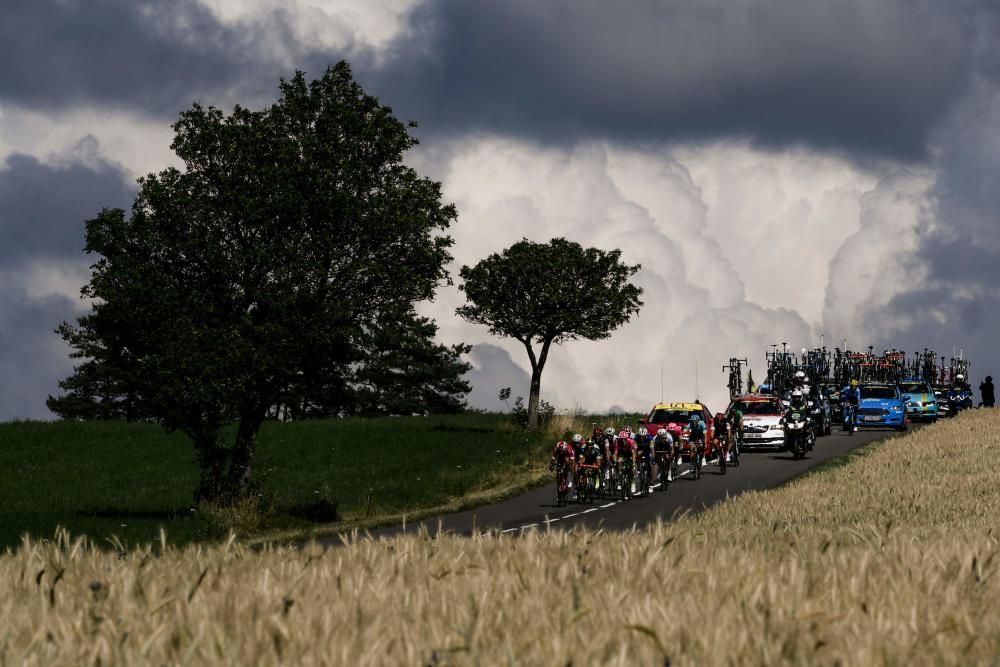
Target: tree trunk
{"type": "Point", "coordinates": [244, 450]}
{"type": "Point", "coordinates": [534, 394]}
{"type": "Point", "coordinates": [212, 461]}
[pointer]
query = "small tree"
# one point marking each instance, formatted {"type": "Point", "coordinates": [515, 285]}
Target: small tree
{"type": "Point", "coordinates": [545, 293]}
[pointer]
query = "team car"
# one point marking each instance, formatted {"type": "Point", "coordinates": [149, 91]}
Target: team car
{"type": "Point", "coordinates": [680, 413]}
{"type": "Point", "coordinates": [762, 414]}
{"type": "Point", "coordinates": [881, 405]}
{"type": "Point", "coordinates": [921, 403]}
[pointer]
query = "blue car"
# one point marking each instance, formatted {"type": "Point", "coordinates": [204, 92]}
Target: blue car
{"type": "Point", "coordinates": [881, 406]}
{"type": "Point", "coordinates": [921, 403]}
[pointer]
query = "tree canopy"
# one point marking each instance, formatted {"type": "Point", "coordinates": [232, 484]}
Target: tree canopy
{"type": "Point", "coordinates": [289, 235]}
{"type": "Point", "coordinates": [545, 293]}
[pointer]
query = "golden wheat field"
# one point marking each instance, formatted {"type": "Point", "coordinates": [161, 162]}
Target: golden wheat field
{"type": "Point", "coordinates": [890, 559]}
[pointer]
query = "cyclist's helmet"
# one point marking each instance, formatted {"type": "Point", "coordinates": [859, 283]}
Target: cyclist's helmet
{"type": "Point", "coordinates": [854, 383]}
{"type": "Point", "coordinates": [643, 432]}
{"type": "Point", "coordinates": [959, 377]}
{"type": "Point", "coordinates": [800, 375]}
{"type": "Point", "coordinates": [609, 431]}
{"type": "Point", "coordinates": [577, 439]}
{"type": "Point", "coordinates": [628, 429]}
{"type": "Point", "coordinates": [674, 428]}
{"type": "Point", "coordinates": [695, 417]}
{"type": "Point", "coordinates": [661, 432]}
{"type": "Point", "coordinates": [623, 435]}
{"type": "Point", "coordinates": [796, 394]}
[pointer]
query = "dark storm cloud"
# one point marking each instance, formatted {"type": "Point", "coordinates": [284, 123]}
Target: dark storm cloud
{"type": "Point", "coordinates": [866, 77]}
{"type": "Point", "coordinates": [957, 303]}
{"type": "Point", "coordinates": [42, 212]}
{"type": "Point", "coordinates": [156, 57]}
{"type": "Point", "coordinates": [32, 358]}
{"type": "Point", "coordinates": [43, 207]}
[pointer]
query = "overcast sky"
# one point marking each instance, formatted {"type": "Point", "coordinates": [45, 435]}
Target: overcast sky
{"type": "Point", "coordinates": [785, 171]}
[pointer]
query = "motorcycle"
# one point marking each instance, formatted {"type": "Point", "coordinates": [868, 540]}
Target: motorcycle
{"type": "Point", "coordinates": [798, 433]}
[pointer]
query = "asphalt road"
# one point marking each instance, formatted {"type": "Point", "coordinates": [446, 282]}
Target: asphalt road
{"type": "Point", "coordinates": [537, 509]}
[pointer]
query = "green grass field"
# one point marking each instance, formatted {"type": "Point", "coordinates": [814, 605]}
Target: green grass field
{"type": "Point", "coordinates": [128, 480]}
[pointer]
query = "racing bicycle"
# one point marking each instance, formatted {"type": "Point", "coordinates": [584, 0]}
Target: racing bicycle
{"type": "Point", "coordinates": [645, 476]}
{"type": "Point", "coordinates": [626, 473]}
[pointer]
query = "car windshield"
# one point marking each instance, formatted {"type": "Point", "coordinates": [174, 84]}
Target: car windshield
{"type": "Point", "coordinates": [913, 387]}
{"type": "Point", "coordinates": [757, 407]}
{"type": "Point", "coordinates": [667, 416]}
{"type": "Point", "coordinates": [878, 392]}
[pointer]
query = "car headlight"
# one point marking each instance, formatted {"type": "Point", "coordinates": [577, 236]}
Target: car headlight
{"type": "Point", "coordinates": [913, 404]}
{"type": "Point", "coordinates": [897, 408]}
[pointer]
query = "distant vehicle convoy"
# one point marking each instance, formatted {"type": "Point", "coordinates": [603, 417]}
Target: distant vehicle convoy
{"type": "Point", "coordinates": [799, 401]}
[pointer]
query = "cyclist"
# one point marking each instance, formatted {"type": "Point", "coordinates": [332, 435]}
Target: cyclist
{"type": "Point", "coordinates": [625, 451]}
{"type": "Point", "coordinates": [696, 436]}
{"type": "Point", "coordinates": [562, 454]}
{"type": "Point", "coordinates": [663, 450]}
{"type": "Point", "coordinates": [644, 451]}
{"type": "Point", "coordinates": [736, 423]}
{"type": "Point", "coordinates": [850, 398]}
{"type": "Point", "coordinates": [607, 444]}
{"type": "Point", "coordinates": [590, 455]}
{"type": "Point", "coordinates": [677, 433]}
{"type": "Point", "coordinates": [577, 445]}
{"type": "Point", "coordinates": [720, 438]}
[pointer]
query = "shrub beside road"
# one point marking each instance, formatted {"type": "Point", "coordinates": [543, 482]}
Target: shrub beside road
{"type": "Point", "coordinates": [890, 558]}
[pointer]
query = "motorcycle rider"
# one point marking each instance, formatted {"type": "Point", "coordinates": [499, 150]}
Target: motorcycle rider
{"type": "Point", "coordinates": [798, 404]}
{"type": "Point", "coordinates": [960, 395]}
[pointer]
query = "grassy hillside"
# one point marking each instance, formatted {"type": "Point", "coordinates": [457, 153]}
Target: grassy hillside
{"type": "Point", "coordinates": [890, 559]}
{"type": "Point", "coordinates": [128, 480]}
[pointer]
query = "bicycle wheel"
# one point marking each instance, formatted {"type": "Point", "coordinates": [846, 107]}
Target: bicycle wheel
{"type": "Point", "coordinates": [696, 465]}
{"type": "Point", "coordinates": [736, 454]}
{"type": "Point", "coordinates": [722, 460]}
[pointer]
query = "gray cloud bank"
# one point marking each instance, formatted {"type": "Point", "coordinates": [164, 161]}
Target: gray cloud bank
{"type": "Point", "coordinates": [855, 75]}
{"type": "Point", "coordinates": [868, 78]}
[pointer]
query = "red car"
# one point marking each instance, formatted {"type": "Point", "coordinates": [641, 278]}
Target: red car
{"type": "Point", "coordinates": [680, 414]}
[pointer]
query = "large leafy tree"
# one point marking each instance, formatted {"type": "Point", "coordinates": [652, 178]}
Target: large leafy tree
{"type": "Point", "coordinates": [545, 293]}
{"type": "Point", "coordinates": [286, 236]}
